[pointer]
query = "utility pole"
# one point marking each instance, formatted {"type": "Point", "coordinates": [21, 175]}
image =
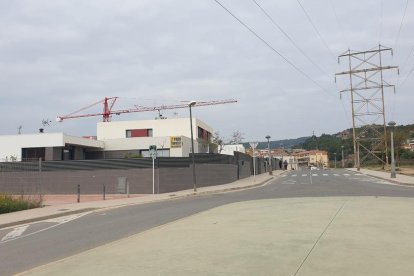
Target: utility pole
{"type": "Point", "coordinates": [366, 88]}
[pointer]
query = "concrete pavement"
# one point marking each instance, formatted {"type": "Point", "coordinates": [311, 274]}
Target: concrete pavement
{"type": "Point", "coordinates": [38, 214]}
{"type": "Point", "coordinates": [400, 178]}
{"type": "Point", "coordinates": [292, 236]}
{"type": "Point", "coordinates": [296, 236]}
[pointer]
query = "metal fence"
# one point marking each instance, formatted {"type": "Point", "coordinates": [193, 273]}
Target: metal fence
{"type": "Point", "coordinates": [22, 178]}
{"type": "Point", "coordinates": [119, 176]}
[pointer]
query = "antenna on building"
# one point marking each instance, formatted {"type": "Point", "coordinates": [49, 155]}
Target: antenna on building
{"type": "Point", "coordinates": [19, 130]}
{"type": "Point", "coordinates": [46, 122]}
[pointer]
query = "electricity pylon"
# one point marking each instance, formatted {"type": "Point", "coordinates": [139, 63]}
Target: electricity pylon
{"type": "Point", "coordinates": [367, 86]}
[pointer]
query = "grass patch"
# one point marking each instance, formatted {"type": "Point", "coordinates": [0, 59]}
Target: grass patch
{"type": "Point", "coordinates": [9, 203]}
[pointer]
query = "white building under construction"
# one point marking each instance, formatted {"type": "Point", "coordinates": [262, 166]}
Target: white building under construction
{"type": "Point", "coordinates": [122, 139]}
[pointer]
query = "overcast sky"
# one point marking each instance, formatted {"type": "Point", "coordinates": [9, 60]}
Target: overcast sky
{"type": "Point", "coordinates": [59, 56]}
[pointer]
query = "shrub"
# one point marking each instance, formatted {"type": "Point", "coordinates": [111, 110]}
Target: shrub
{"type": "Point", "coordinates": [9, 203]}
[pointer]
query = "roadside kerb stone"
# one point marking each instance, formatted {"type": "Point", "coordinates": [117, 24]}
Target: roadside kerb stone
{"type": "Point", "coordinates": [39, 214]}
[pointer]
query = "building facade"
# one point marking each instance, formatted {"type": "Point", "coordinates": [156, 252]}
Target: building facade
{"type": "Point", "coordinates": [123, 139]}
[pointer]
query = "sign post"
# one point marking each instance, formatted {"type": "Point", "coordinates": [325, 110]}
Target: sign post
{"type": "Point", "coordinates": [153, 154]}
{"type": "Point", "coordinates": [254, 145]}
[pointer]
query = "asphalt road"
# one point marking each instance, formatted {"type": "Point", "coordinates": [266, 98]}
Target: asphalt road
{"type": "Point", "coordinates": [43, 242]}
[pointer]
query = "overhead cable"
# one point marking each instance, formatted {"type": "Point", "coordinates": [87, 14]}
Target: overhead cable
{"type": "Point", "coordinates": [316, 29]}
{"type": "Point", "coordinates": [270, 46]}
{"type": "Point", "coordinates": [401, 24]}
{"type": "Point", "coordinates": [289, 38]}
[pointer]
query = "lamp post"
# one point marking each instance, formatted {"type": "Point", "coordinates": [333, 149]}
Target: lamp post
{"type": "Point", "coordinates": [190, 104]}
{"type": "Point", "coordinates": [392, 125]}
{"type": "Point", "coordinates": [343, 160]}
{"type": "Point", "coordinates": [335, 159]}
{"type": "Point", "coordinates": [270, 160]}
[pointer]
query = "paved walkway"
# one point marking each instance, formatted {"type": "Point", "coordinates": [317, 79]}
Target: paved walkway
{"type": "Point", "coordinates": [400, 178]}
{"type": "Point", "coordinates": [296, 236]}
{"type": "Point", "coordinates": [57, 210]}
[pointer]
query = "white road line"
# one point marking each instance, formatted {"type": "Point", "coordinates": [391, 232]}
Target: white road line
{"type": "Point", "coordinates": [314, 174]}
{"type": "Point", "coordinates": [335, 174]}
{"type": "Point", "coordinates": [289, 182]}
{"type": "Point", "coordinates": [304, 175]}
{"type": "Point", "coordinates": [325, 174]}
{"type": "Point", "coordinates": [17, 232]}
{"type": "Point", "coordinates": [346, 174]}
{"type": "Point", "coordinates": [64, 219]}
{"type": "Point", "coordinates": [294, 175]}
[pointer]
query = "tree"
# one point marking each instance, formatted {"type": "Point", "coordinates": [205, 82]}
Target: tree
{"type": "Point", "coordinates": [236, 138]}
{"type": "Point", "coordinates": [218, 140]}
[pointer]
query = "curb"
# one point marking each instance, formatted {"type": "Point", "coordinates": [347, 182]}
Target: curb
{"type": "Point", "coordinates": [386, 179]}
{"type": "Point", "coordinates": [172, 197]}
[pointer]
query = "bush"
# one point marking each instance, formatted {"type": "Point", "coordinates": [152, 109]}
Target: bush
{"type": "Point", "coordinates": [9, 204]}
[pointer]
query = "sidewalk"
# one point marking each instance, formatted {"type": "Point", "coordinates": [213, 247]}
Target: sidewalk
{"type": "Point", "coordinates": [400, 178]}
{"type": "Point", "coordinates": [290, 236]}
{"type": "Point", "coordinates": [58, 210]}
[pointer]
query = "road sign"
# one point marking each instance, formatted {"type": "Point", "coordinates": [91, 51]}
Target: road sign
{"type": "Point", "coordinates": [153, 151]}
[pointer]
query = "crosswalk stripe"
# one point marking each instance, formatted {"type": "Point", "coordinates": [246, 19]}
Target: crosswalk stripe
{"type": "Point", "coordinates": [335, 174]}
{"type": "Point", "coordinates": [346, 174]}
{"type": "Point", "coordinates": [294, 175]}
{"type": "Point", "coordinates": [325, 174]}
{"type": "Point", "coordinates": [314, 174]}
{"type": "Point", "coordinates": [304, 175]}
{"type": "Point", "coordinates": [17, 232]}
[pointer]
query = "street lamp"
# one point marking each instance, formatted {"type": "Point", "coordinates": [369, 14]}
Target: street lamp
{"type": "Point", "coordinates": [190, 104]}
{"type": "Point", "coordinates": [343, 160]}
{"type": "Point", "coordinates": [335, 159]}
{"type": "Point", "coordinates": [392, 125]}
{"type": "Point", "coordinates": [270, 160]}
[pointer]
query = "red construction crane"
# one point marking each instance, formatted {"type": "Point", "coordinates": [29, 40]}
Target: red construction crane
{"type": "Point", "coordinates": [108, 104]}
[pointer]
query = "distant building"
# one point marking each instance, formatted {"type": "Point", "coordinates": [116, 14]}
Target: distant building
{"type": "Point", "coordinates": [318, 158]}
{"type": "Point", "coordinates": [346, 134]}
{"type": "Point", "coordinates": [230, 149]}
{"type": "Point", "coordinates": [114, 140]}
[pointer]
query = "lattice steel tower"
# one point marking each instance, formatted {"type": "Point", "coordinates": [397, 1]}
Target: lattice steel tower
{"type": "Point", "coordinates": [367, 86]}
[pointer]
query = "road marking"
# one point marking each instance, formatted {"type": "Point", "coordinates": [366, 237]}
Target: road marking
{"type": "Point", "coordinates": [284, 175]}
{"type": "Point", "coordinates": [325, 174]}
{"type": "Point", "coordinates": [346, 174]}
{"type": "Point", "coordinates": [335, 174]}
{"type": "Point", "coordinates": [64, 219]}
{"type": "Point", "coordinates": [294, 175]}
{"type": "Point", "coordinates": [58, 221]}
{"type": "Point", "coordinates": [304, 174]}
{"type": "Point", "coordinates": [289, 182]}
{"type": "Point", "coordinates": [314, 174]}
{"type": "Point", "coordinates": [17, 232]}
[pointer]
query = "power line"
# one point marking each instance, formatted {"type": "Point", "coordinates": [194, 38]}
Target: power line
{"type": "Point", "coordinates": [406, 78]}
{"type": "Point", "coordinates": [271, 47]}
{"type": "Point", "coordinates": [406, 59]}
{"type": "Point", "coordinates": [316, 29]}
{"type": "Point", "coordinates": [381, 20]}
{"type": "Point", "coordinates": [401, 24]}
{"type": "Point", "coordinates": [337, 22]}
{"type": "Point", "coordinates": [289, 38]}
